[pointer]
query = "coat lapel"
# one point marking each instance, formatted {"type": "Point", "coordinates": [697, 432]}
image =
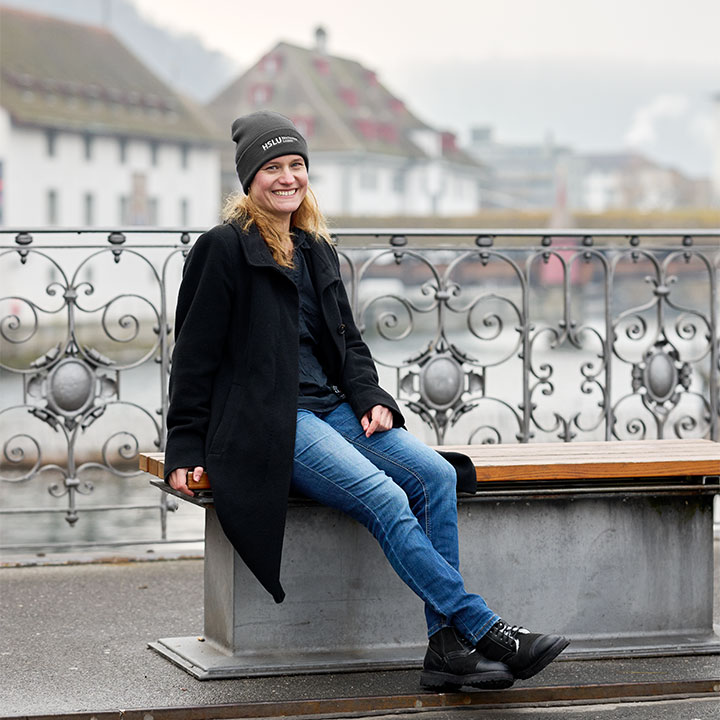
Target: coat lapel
{"type": "Point", "coordinates": [254, 247]}
{"type": "Point", "coordinates": [258, 254]}
{"type": "Point", "coordinates": [323, 270]}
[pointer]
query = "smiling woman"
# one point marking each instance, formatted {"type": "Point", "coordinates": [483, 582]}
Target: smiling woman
{"type": "Point", "coordinates": [276, 191]}
{"type": "Point", "coordinates": [280, 186]}
{"type": "Point", "coordinates": [273, 390]}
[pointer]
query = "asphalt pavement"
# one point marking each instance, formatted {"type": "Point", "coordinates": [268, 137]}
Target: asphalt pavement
{"type": "Point", "coordinates": [73, 639]}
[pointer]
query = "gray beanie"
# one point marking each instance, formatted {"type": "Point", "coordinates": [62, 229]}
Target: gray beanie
{"type": "Point", "coordinates": [263, 136]}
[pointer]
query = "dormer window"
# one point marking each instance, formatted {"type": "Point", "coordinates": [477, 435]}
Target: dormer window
{"type": "Point", "coordinates": [367, 128]}
{"type": "Point", "coordinates": [271, 64]}
{"type": "Point", "coordinates": [305, 124]}
{"type": "Point", "coordinates": [349, 96]}
{"type": "Point", "coordinates": [322, 65]}
{"type": "Point", "coordinates": [260, 94]}
{"type": "Point", "coordinates": [387, 132]}
{"type": "Point", "coordinates": [449, 142]}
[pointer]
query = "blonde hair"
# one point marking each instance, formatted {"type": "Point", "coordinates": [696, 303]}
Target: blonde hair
{"type": "Point", "coordinates": [244, 210]}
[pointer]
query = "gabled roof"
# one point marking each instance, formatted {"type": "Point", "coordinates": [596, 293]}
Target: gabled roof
{"type": "Point", "coordinates": [337, 103]}
{"type": "Point", "coordinates": [67, 75]}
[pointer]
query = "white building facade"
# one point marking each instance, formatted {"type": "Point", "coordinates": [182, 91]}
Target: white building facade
{"type": "Point", "coordinates": [57, 178]}
{"type": "Point", "coordinates": [86, 145]}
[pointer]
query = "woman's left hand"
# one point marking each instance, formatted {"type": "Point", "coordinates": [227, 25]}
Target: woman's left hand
{"type": "Point", "coordinates": [378, 419]}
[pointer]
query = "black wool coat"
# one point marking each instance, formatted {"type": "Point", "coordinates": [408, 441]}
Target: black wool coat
{"type": "Point", "coordinates": [234, 382]}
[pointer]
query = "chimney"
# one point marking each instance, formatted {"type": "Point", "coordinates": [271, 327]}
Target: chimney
{"type": "Point", "coordinates": [320, 40]}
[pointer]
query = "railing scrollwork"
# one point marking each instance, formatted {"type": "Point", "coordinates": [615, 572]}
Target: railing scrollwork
{"type": "Point", "coordinates": [484, 337]}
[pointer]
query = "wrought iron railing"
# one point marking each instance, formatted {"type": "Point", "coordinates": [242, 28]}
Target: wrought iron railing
{"type": "Point", "coordinates": [499, 336]}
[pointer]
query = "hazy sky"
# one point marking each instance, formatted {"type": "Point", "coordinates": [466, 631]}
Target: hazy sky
{"type": "Point", "coordinates": [598, 75]}
{"type": "Point", "coordinates": [595, 75]}
{"type": "Point", "coordinates": [387, 34]}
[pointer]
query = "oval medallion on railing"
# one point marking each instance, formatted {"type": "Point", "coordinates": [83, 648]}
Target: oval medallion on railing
{"type": "Point", "coordinates": [661, 377]}
{"type": "Point", "coordinates": [71, 386]}
{"type": "Point", "coordinates": [441, 381]}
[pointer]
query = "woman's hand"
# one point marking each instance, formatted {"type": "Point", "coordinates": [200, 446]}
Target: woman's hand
{"type": "Point", "coordinates": [378, 419]}
{"type": "Point", "coordinates": [178, 479]}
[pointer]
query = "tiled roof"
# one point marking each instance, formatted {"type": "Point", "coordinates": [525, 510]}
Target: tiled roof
{"type": "Point", "coordinates": [68, 75]}
{"type": "Point", "coordinates": [339, 104]}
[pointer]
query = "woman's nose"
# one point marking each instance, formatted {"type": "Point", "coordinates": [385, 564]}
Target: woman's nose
{"type": "Point", "coordinates": [287, 175]}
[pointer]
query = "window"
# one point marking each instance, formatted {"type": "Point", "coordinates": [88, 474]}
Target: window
{"type": "Point", "coordinates": [152, 211]}
{"type": "Point", "coordinates": [88, 142]}
{"type": "Point", "coordinates": [305, 124]}
{"type": "Point", "coordinates": [387, 132]}
{"type": "Point", "coordinates": [89, 208]}
{"type": "Point", "coordinates": [51, 142]}
{"type": "Point", "coordinates": [367, 128]}
{"type": "Point", "coordinates": [122, 150]}
{"type": "Point", "coordinates": [139, 201]}
{"type": "Point", "coordinates": [153, 153]}
{"type": "Point", "coordinates": [368, 179]}
{"type": "Point", "coordinates": [322, 65]}
{"type": "Point", "coordinates": [349, 96]}
{"type": "Point", "coordinates": [184, 156]}
{"type": "Point", "coordinates": [51, 215]}
{"type": "Point", "coordinates": [399, 182]}
{"type": "Point", "coordinates": [261, 94]}
{"type": "Point", "coordinates": [184, 212]}
{"type": "Point", "coordinates": [124, 210]}
{"type": "Point", "coordinates": [271, 64]}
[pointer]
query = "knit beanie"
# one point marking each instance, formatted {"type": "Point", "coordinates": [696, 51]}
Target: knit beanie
{"type": "Point", "coordinates": [263, 136]}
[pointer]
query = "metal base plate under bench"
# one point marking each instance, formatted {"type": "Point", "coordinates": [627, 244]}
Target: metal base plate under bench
{"type": "Point", "coordinates": [620, 572]}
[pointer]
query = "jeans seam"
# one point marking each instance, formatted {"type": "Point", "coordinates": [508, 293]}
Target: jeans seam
{"type": "Point", "coordinates": [415, 587]}
{"type": "Point", "coordinates": [370, 451]}
{"type": "Point", "coordinates": [393, 461]}
{"type": "Point", "coordinates": [476, 636]}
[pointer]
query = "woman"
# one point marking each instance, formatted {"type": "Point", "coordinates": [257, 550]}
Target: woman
{"type": "Point", "coordinates": [272, 389]}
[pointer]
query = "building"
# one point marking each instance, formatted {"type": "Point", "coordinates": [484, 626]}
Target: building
{"type": "Point", "coordinates": [548, 176]}
{"type": "Point", "coordinates": [528, 176]}
{"type": "Point", "coordinates": [630, 180]}
{"type": "Point", "coordinates": [369, 154]}
{"type": "Point", "coordinates": [90, 137]}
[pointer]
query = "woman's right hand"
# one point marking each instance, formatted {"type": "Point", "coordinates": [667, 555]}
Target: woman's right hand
{"type": "Point", "coordinates": [178, 479]}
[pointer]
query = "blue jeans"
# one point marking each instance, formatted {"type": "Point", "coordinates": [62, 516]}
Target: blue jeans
{"type": "Point", "coordinates": [404, 493]}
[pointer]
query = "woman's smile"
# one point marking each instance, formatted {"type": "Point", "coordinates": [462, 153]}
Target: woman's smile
{"type": "Point", "coordinates": [280, 185]}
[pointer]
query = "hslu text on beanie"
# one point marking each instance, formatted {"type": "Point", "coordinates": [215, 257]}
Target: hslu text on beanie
{"type": "Point", "coordinates": [263, 136]}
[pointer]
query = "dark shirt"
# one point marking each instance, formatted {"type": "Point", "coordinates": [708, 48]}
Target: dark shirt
{"type": "Point", "coordinates": [314, 391]}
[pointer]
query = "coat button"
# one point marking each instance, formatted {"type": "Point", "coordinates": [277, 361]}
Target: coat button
{"type": "Point", "coordinates": [341, 329]}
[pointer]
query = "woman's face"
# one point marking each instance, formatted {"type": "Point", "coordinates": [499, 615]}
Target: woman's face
{"type": "Point", "coordinates": [280, 185]}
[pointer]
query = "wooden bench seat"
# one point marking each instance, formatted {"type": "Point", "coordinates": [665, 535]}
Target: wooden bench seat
{"type": "Point", "coordinates": [583, 461]}
{"type": "Point", "coordinates": [609, 543]}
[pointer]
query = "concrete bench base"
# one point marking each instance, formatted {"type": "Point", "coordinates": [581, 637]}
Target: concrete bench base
{"type": "Point", "coordinates": [620, 574]}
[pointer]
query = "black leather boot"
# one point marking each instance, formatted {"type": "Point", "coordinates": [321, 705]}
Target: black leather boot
{"type": "Point", "coordinates": [451, 661]}
{"type": "Point", "coordinates": [525, 653]}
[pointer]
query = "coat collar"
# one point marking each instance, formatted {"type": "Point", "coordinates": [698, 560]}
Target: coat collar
{"type": "Point", "coordinates": [256, 251]}
{"type": "Point", "coordinates": [258, 254]}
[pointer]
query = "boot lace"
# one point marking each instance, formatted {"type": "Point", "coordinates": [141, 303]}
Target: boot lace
{"type": "Point", "coordinates": [508, 634]}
